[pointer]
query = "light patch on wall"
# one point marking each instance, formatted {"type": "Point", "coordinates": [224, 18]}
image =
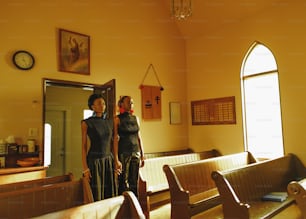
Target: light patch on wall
{"type": "Point", "coordinates": [175, 113]}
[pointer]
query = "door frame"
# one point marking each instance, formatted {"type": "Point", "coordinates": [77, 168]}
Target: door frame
{"type": "Point", "coordinates": [55, 82]}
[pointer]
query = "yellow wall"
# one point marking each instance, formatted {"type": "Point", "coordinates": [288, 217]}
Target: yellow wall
{"type": "Point", "coordinates": [124, 41]}
{"type": "Point", "coordinates": [214, 62]}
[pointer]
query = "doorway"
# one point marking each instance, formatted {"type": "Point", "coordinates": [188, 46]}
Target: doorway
{"type": "Point", "coordinates": [64, 105]}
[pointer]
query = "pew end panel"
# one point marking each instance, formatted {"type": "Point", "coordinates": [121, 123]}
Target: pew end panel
{"type": "Point", "coordinates": [228, 196]}
{"type": "Point", "coordinates": [181, 201]}
{"type": "Point", "coordinates": [143, 195]}
{"type": "Point", "coordinates": [130, 207]}
{"type": "Point", "coordinates": [298, 190]}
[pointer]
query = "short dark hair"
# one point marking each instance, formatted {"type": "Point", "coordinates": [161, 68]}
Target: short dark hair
{"type": "Point", "coordinates": [92, 99]}
{"type": "Point", "coordinates": [122, 99]}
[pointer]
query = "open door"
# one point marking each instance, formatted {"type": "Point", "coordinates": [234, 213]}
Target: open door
{"type": "Point", "coordinates": [64, 105]}
{"type": "Point", "coordinates": [108, 92]}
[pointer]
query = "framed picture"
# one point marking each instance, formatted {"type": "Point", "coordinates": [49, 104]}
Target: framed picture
{"type": "Point", "coordinates": [74, 52]}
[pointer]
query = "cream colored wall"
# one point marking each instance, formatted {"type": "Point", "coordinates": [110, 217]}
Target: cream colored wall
{"type": "Point", "coordinates": [124, 41]}
{"type": "Point", "coordinates": [214, 63]}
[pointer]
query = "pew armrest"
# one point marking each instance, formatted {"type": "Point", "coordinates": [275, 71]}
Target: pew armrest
{"type": "Point", "coordinates": [176, 188]}
{"type": "Point", "coordinates": [130, 207]}
{"type": "Point", "coordinates": [298, 190]}
{"type": "Point", "coordinates": [143, 195]}
{"type": "Point", "coordinates": [232, 207]}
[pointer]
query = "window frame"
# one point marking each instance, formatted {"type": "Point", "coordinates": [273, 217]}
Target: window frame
{"type": "Point", "coordinates": [243, 95]}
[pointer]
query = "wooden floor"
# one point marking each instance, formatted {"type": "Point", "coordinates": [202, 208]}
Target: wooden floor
{"type": "Point", "coordinates": [163, 212]}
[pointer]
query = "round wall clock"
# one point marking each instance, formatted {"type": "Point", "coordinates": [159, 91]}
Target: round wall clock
{"type": "Point", "coordinates": [23, 60]}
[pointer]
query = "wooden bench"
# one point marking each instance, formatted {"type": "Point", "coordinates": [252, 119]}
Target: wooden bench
{"type": "Point", "coordinates": [153, 185]}
{"type": "Point", "coordinates": [241, 189]}
{"type": "Point", "coordinates": [38, 200]}
{"type": "Point", "coordinates": [36, 182]}
{"type": "Point", "coordinates": [298, 190]}
{"type": "Point", "coordinates": [191, 188]}
{"type": "Point", "coordinates": [125, 206]}
{"type": "Point", "coordinates": [168, 153]}
{"type": "Point", "coordinates": [12, 175]}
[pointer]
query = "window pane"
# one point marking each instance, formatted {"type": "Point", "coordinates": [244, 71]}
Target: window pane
{"type": "Point", "coordinates": [263, 116]}
{"type": "Point", "coordinates": [87, 113]}
{"type": "Point", "coordinates": [259, 60]}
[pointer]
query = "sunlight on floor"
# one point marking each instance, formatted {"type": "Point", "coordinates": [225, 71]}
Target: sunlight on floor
{"type": "Point", "coordinates": [163, 212]}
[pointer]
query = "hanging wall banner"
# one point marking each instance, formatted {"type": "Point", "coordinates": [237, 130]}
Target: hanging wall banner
{"type": "Point", "coordinates": [151, 102]}
{"type": "Point", "coordinates": [151, 97]}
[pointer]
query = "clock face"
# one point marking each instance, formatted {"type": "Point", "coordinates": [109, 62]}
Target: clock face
{"type": "Point", "coordinates": [23, 60]}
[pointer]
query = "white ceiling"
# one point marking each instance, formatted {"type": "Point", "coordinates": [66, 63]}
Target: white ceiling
{"type": "Point", "coordinates": [209, 15]}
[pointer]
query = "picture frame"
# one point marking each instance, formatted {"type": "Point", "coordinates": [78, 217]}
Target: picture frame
{"type": "Point", "coordinates": [175, 113]}
{"type": "Point", "coordinates": [74, 52]}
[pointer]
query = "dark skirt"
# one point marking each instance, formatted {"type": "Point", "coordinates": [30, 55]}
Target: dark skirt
{"type": "Point", "coordinates": [128, 179]}
{"type": "Point", "coordinates": [102, 181]}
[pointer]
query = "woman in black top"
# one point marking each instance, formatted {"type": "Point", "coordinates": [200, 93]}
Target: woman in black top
{"type": "Point", "coordinates": [128, 150]}
{"type": "Point", "coordinates": [97, 157]}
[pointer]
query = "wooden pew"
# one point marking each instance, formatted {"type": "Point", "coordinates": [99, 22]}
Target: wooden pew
{"type": "Point", "coordinates": [168, 153]}
{"type": "Point", "coordinates": [192, 190]}
{"type": "Point", "coordinates": [125, 206]}
{"type": "Point", "coordinates": [38, 200]}
{"type": "Point", "coordinates": [153, 185]}
{"type": "Point", "coordinates": [36, 182]}
{"type": "Point", "coordinates": [12, 175]}
{"type": "Point", "coordinates": [241, 189]}
{"type": "Point", "coordinates": [298, 190]}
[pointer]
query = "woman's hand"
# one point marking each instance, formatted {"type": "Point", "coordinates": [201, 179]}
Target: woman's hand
{"type": "Point", "coordinates": [118, 167]}
{"type": "Point", "coordinates": [142, 161]}
{"type": "Point", "coordinates": [87, 175]}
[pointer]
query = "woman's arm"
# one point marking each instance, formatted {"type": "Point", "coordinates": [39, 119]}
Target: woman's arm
{"type": "Point", "coordinates": [142, 158]}
{"type": "Point", "coordinates": [118, 165]}
{"type": "Point", "coordinates": [86, 171]}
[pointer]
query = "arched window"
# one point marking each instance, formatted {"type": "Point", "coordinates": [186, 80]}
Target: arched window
{"type": "Point", "coordinates": [262, 122]}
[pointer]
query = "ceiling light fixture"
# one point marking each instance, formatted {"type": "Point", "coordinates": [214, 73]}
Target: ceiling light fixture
{"type": "Point", "coordinates": [181, 9]}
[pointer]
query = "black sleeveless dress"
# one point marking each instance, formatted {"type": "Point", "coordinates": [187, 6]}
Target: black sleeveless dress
{"type": "Point", "coordinates": [100, 159]}
{"type": "Point", "coordinates": [128, 131]}
{"type": "Point", "coordinates": [129, 153]}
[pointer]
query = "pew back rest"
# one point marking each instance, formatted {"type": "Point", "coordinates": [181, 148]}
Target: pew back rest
{"type": "Point", "coordinates": [36, 182]}
{"type": "Point", "coordinates": [29, 202]}
{"type": "Point", "coordinates": [252, 182]}
{"type": "Point", "coordinates": [195, 177]}
{"type": "Point", "coordinates": [119, 207]}
{"type": "Point", "coordinates": [152, 170]}
{"type": "Point", "coordinates": [168, 153]}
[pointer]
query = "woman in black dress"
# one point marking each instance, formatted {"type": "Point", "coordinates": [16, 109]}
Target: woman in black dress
{"type": "Point", "coordinates": [128, 150]}
{"type": "Point", "coordinates": [97, 156]}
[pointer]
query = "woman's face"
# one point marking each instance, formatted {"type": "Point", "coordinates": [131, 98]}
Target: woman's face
{"type": "Point", "coordinates": [127, 104]}
{"type": "Point", "coordinates": [99, 105]}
